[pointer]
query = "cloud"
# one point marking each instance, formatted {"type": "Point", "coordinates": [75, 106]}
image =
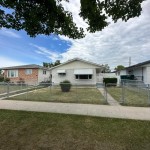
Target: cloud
{"type": "Point", "coordinates": [53, 56]}
{"type": "Point", "coordinates": [116, 43]}
{"type": "Point", "coordinates": [8, 62]}
{"type": "Point", "coordinates": [9, 33]}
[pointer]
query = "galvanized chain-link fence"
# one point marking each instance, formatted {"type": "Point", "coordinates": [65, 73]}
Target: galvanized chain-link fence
{"type": "Point", "coordinates": [50, 92]}
{"type": "Point", "coordinates": [130, 94]}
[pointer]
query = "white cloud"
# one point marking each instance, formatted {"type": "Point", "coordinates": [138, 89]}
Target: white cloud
{"type": "Point", "coordinates": [8, 62]}
{"type": "Point", "coordinates": [53, 56]}
{"type": "Point", "coordinates": [116, 43]}
{"type": "Point", "coordinates": [9, 33]}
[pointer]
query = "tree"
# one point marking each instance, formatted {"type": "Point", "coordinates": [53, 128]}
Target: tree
{"type": "Point", "coordinates": [49, 65]}
{"type": "Point", "coordinates": [48, 16]}
{"type": "Point", "coordinates": [119, 67]}
{"type": "Point", "coordinates": [106, 68]}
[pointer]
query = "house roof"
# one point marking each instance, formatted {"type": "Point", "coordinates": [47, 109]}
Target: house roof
{"type": "Point", "coordinates": [77, 59]}
{"type": "Point", "coordinates": [138, 65]}
{"type": "Point", "coordinates": [30, 66]}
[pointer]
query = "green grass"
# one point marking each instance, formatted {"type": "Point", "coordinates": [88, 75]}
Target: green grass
{"type": "Point", "coordinates": [76, 95]}
{"type": "Point", "coordinates": [45, 131]}
{"type": "Point", "coordinates": [3, 88]}
{"type": "Point", "coordinates": [133, 97]}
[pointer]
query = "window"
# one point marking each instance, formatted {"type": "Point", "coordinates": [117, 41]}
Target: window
{"type": "Point", "coordinates": [61, 74]}
{"type": "Point", "coordinates": [12, 73]}
{"type": "Point", "coordinates": [28, 71]}
{"type": "Point", "coordinates": [44, 71]}
{"type": "Point", "coordinates": [86, 76]}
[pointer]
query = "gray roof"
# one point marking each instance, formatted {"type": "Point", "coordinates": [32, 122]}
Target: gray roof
{"type": "Point", "coordinates": [138, 65]}
{"type": "Point", "coordinates": [30, 66]}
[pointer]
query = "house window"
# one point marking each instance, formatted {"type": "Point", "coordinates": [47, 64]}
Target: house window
{"type": "Point", "coordinates": [61, 74]}
{"type": "Point", "coordinates": [44, 71]}
{"type": "Point", "coordinates": [12, 73]}
{"type": "Point", "coordinates": [86, 76]}
{"type": "Point", "coordinates": [28, 71]}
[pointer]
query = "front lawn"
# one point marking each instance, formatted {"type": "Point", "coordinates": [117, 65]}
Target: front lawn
{"type": "Point", "coordinates": [4, 88]}
{"type": "Point", "coordinates": [46, 131]}
{"type": "Point", "coordinates": [54, 94]}
{"type": "Point", "coordinates": [133, 96]}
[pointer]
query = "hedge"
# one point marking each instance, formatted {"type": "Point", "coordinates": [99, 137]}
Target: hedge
{"type": "Point", "coordinates": [110, 80]}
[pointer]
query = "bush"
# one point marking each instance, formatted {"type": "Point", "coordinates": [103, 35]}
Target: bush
{"type": "Point", "coordinates": [6, 80]}
{"type": "Point", "coordinates": [1, 78]}
{"type": "Point", "coordinates": [112, 81]}
{"type": "Point", "coordinates": [65, 86]}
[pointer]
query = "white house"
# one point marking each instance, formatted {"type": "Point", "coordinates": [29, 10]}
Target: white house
{"type": "Point", "coordinates": [77, 71]}
{"type": "Point", "coordinates": [141, 71]}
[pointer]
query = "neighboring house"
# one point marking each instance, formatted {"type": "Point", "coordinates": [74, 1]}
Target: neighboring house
{"type": "Point", "coordinates": [141, 71]}
{"type": "Point", "coordinates": [77, 71]}
{"type": "Point", "coordinates": [28, 73]}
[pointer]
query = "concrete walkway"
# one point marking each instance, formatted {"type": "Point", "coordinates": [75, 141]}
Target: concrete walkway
{"type": "Point", "coordinates": [111, 101]}
{"type": "Point", "coordinates": [138, 113]}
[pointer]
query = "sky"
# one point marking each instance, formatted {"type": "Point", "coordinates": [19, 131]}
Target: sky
{"type": "Point", "coordinates": [113, 45]}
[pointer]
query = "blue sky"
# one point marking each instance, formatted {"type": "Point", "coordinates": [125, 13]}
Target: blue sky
{"type": "Point", "coordinates": [113, 45]}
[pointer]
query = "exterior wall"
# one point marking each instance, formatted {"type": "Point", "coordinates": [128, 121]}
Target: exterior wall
{"type": "Point", "coordinates": [147, 74]}
{"type": "Point", "coordinates": [31, 78]}
{"type": "Point", "coordinates": [56, 78]}
{"type": "Point", "coordinates": [123, 72]}
{"type": "Point", "coordinates": [43, 77]}
{"type": "Point", "coordinates": [70, 73]}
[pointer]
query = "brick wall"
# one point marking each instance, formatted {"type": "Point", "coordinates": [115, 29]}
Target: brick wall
{"type": "Point", "coordinates": [31, 78]}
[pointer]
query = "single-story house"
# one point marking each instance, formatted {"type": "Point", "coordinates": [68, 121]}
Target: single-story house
{"type": "Point", "coordinates": [27, 73]}
{"type": "Point", "coordinates": [77, 71]}
{"type": "Point", "coordinates": [141, 71]}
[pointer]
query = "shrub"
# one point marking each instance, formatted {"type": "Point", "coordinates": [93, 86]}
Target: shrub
{"type": "Point", "coordinates": [21, 81]}
{"type": "Point", "coordinates": [112, 81]}
{"type": "Point", "coordinates": [1, 78]}
{"type": "Point", "coordinates": [6, 80]}
{"type": "Point", "coordinates": [65, 86]}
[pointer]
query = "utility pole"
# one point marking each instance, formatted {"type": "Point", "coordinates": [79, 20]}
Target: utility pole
{"type": "Point", "coordinates": [129, 61]}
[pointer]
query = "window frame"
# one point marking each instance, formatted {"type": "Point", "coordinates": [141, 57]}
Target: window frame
{"type": "Point", "coordinates": [44, 72]}
{"type": "Point", "coordinates": [27, 72]}
{"type": "Point", "coordinates": [15, 73]}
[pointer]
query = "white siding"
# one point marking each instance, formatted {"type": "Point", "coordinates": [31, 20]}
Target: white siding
{"type": "Point", "coordinates": [43, 77]}
{"type": "Point", "coordinates": [147, 74]}
{"type": "Point", "coordinates": [123, 72]}
{"type": "Point", "coordinates": [138, 72]}
{"type": "Point", "coordinates": [69, 68]}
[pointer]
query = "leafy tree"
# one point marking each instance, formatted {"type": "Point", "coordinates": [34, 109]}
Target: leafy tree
{"type": "Point", "coordinates": [57, 62]}
{"type": "Point", "coordinates": [106, 68]}
{"type": "Point", "coordinates": [48, 16]}
{"type": "Point", "coordinates": [49, 65]}
{"type": "Point", "coordinates": [119, 67]}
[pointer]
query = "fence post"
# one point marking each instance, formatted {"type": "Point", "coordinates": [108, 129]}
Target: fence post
{"type": "Point", "coordinates": [7, 89]}
{"type": "Point", "coordinates": [123, 93]}
{"type": "Point", "coordinates": [105, 90]}
{"type": "Point", "coordinates": [148, 94]}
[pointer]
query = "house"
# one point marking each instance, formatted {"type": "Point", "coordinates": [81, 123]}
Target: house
{"type": "Point", "coordinates": [141, 71]}
{"type": "Point", "coordinates": [77, 71]}
{"type": "Point", "coordinates": [30, 74]}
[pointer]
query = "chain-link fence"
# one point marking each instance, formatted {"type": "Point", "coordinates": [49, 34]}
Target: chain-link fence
{"type": "Point", "coordinates": [50, 92]}
{"type": "Point", "coordinates": [130, 93]}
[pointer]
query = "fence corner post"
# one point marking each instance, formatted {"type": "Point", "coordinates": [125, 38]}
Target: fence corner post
{"type": "Point", "coordinates": [122, 94]}
{"type": "Point", "coordinates": [7, 89]}
{"type": "Point", "coordinates": [148, 87]}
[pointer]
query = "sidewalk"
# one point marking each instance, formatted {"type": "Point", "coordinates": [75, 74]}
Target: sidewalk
{"type": "Point", "coordinates": [138, 113]}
